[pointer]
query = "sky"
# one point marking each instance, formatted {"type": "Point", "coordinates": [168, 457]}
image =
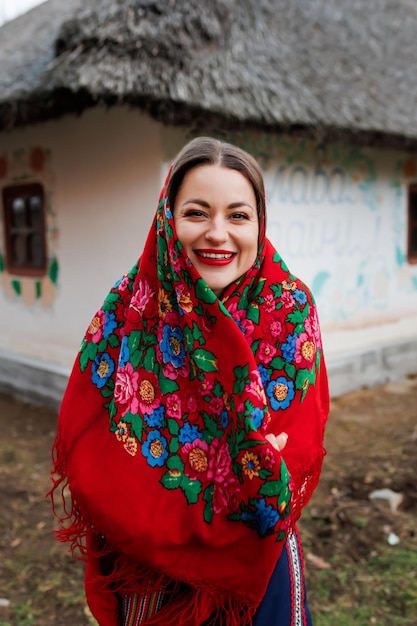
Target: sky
{"type": "Point", "coordinates": [9, 9]}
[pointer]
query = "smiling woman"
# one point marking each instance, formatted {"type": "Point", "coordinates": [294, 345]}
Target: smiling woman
{"type": "Point", "coordinates": [191, 431]}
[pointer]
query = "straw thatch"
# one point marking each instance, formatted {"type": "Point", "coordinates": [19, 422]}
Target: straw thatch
{"type": "Point", "coordinates": [334, 68]}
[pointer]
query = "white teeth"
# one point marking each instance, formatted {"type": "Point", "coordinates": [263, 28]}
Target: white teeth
{"type": "Point", "coordinates": [213, 255]}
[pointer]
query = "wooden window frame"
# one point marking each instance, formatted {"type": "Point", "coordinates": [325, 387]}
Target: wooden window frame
{"type": "Point", "coordinates": [9, 194]}
{"type": "Point", "coordinates": [412, 223]}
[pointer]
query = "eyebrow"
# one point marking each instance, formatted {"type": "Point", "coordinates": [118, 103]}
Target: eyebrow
{"type": "Point", "coordinates": [203, 203]}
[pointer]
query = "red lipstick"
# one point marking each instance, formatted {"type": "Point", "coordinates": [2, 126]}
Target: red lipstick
{"type": "Point", "coordinates": [214, 257]}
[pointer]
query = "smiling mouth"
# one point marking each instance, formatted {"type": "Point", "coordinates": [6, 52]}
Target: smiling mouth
{"type": "Point", "coordinates": [215, 258]}
{"type": "Point", "coordinates": [215, 255]}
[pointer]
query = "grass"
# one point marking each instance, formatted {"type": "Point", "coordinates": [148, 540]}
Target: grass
{"type": "Point", "coordinates": [382, 591]}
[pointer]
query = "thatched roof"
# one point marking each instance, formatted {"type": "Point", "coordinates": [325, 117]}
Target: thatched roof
{"type": "Point", "coordinates": [328, 67]}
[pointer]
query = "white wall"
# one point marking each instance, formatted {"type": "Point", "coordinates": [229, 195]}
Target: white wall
{"type": "Point", "coordinates": [105, 179]}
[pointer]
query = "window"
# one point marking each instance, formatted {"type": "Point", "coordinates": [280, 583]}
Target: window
{"type": "Point", "coordinates": [24, 221]}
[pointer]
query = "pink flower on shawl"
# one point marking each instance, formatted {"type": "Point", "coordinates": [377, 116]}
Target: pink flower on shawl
{"type": "Point", "coordinates": [248, 328]}
{"type": "Point", "coordinates": [204, 386]}
{"type": "Point", "coordinates": [287, 299]}
{"type": "Point", "coordinates": [245, 325]}
{"type": "Point", "coordinates": [123, 283]}
{"type": "Point", "coordinates": [173, 406]}
{"type": "Point", "coordinates": [175, 261]}
{"type": "Point", "coordinates": [267, 457]}
{"type": "Point", "coordinates": [220, 461]}
{"type": "Point", "coordinates": [255, 387]}
{"type": "Point", "coordinates": [313, 328]}
{"type": "Point", "coordinates": [125, 389]}
{"type": "Point", "coordinates": [194, 455]}
{"type": "Point", "coordinates": [142, 296]}
{"type": "Point", "coordinates": [149, 395]}
{"type": "Point", "coordinates": [95, 330]}
{"type": "Point", "coordinates": [226, 495]}
{"type": "Point", "coordinates": [266, 352]}
{"type": "Point", "coordinates": [192, 404]}
{"type": "Point", "coordinates": [172, 372]}
{"type": "Point", "coordinates": [272, 326]}
{"type": "Point", "coordinates": [232, 308]}
{"type": "Point", "coordinates": [305, 351]}
{"type": "Point", "coordinates": [269, 303]}
{"type": "Point", "coordinates": [216, 405]}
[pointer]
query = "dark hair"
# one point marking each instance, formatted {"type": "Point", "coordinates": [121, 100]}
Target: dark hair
{"type": "Point", "coordinates": [209, 151]}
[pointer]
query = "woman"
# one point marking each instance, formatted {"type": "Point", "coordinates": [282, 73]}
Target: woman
{"type": "Point", "coordinates": [203, 365]}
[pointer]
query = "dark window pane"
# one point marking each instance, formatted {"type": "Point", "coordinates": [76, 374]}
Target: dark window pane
{"type": "Point", "coordinates": [19, 250]}
{"type": "Point", "coordinates": [18, 212]}
{"type": "Point", "coordinates": [35, 212]}
{"type": "Point", "coordinates": [36, 254]}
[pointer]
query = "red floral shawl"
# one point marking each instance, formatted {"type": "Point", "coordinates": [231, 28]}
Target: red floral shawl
{"type": "Point", "coordinates": [161, 432]}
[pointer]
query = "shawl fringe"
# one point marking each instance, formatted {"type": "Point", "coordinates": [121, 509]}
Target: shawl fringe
{"type": "Point", "coordinates": [305, 481]}
{"type": "Point", "coordinates": [111, 572]}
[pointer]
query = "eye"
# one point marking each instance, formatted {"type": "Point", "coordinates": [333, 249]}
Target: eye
{"type": "Point", "coordinates": [194, 213]}
{"type": "Point", "coordinates": [239, 216]}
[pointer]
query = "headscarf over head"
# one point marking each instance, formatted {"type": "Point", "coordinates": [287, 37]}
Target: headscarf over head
{"type": "Point", "coordinates": [161, 432]}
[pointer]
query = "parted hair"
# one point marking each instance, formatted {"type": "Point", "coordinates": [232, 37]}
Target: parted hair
{"type": "Point", "coordinates": [209, 151]}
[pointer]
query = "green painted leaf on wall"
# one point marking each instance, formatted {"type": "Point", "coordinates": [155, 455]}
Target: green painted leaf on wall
{"type": "Point", "coordinates": [53, 270]}
{"type": "Point", "coordinates": [17, 287]}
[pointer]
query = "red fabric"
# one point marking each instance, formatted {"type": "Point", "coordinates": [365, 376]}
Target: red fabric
{"type": "Point", "coordinates": [161, 432]}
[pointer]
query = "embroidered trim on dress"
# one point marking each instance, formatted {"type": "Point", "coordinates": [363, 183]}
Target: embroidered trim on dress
{"type": "Point", "coordinates": [296, 575]}
{"type": "Point", "coordinates": [137, 609]}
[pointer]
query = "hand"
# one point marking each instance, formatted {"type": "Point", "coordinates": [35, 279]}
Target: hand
{"type": "Point", "coordinates": [277, 441]}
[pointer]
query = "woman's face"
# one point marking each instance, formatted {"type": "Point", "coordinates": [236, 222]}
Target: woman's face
{"type": "Point", "coordinates": [217, 223]}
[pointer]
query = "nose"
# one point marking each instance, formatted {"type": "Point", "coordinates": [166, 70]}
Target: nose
{"type": "Point", "coordinates": [217, 230]}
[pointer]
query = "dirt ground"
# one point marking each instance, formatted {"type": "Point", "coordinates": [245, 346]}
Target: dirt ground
{"type": "Point", "coordinates": [372, 446]}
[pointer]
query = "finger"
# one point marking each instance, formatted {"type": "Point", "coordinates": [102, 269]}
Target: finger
{"type": "Point", "coordinates": [272, 440]}
{"type": "Point", "coordinates": [281, 440]}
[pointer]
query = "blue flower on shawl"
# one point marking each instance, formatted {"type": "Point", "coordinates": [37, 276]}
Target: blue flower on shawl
{"type": "Point", "coordinates": [103, 368]}
{"type": "Point", "coordinates": [117, 283]}
{"type": "Point", "coordinates": [167, 209]}
{"type": "Point", "coordinates": [280, 392]}
{"type": "Point", "coordinates": [172, 346]}
{"type": "Point", "coordinates": [300, 296]}
{"type": "Point", "coordinates": [188, 433]}
{"type": "Point", "coordinates": [154, 449]}
{"type": "Point", "coordinates": [224, 418]}
{"type": "Point", "coordinates": [257, 418]}
{"type": "Point", "coordinates": [156, 418]}
{"type": "Point", "coordinates": [288, 348]}
{"type": "Point", "coordinates": [264, 374]}
{"type": "Point", "coordinates": [109, 324]}
{"type": "Point", "coordinates": [265, 517]}
{"type": "Point", "coordinates": [124, 355]}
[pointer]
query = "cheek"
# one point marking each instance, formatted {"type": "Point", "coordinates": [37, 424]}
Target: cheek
{"type": "Point", "coordinates": [250, 247]}
{"type": "Point", "coordinates": [181, 232]}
